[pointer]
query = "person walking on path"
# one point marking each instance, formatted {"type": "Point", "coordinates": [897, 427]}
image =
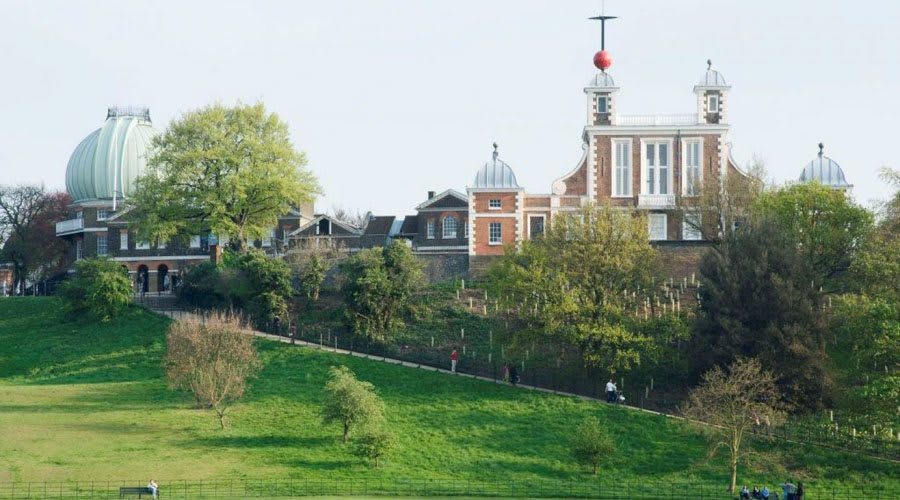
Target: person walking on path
{"type": "Point", "coordinates": [454, 358]}
{"type": "Point", "coordinates": [610, 392]}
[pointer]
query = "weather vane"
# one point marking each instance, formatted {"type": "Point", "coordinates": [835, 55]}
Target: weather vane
{"type": "Point", "coordinates": [602, 59]}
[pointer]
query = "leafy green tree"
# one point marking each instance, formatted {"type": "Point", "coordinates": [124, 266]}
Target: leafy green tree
{"type": "Point", "coordinates": [375, 443]}
{"type": "Point", "coordinates": [591, 444]}
{"type": "Point", "coordinates": [100, 288]}
{"type": "Point", "coordinates": [378, 285]}
{"type": "Point", "coordinates": [570, 286]}
{"type": "Point", "coordinates": [826, 226]}
{"type": "Point", "coordinates": [312, 276]}
{"type": "Point", "coordinates": [263, 285]}
{"type": "Point", "coordinates": [231, 171]}
{"type": "Point", "coordinates": [757, 301]}
{"type": "Point", "coordinates": [351, 402]}
{"type": "Point", "coordinates": [876, 269]}
{"type": "Point", "coordinates": [728, 403]}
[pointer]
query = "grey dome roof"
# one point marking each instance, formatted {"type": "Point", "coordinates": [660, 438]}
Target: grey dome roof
{"type": "Point", "coordinates": [825, 171]}
{"type": "Point", "coordinates": [495, 174]}
{"type": "Point", "coordinates": [712, 78]}
{"type": "Point", "coordinates": [603, 81]}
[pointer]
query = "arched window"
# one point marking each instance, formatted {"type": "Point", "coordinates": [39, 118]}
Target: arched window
{"type": "Point", "coordinates": [449, 227]}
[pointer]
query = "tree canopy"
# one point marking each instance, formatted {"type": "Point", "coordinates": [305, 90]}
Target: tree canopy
{"type": "Point", "coordinates": [28, 217]}
{"type": "Point", "coordinates": [351, 402]}
{"type": "Point", "coordinates": [231, 171]}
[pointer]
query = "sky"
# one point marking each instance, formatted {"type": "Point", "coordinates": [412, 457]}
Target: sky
{"type": "Point", "coordinates": [393, 98]}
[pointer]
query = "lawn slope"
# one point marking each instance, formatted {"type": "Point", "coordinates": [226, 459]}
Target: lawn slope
{"type": "Point", "coordinates": [82, 401]}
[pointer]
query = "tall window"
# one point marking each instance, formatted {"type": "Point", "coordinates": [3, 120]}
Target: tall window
{"type": "Point", "coordinates": [690, 229]}
{"type": "Point", "coordinates": [622, 168]}
{"type": "Point", "coordinates": [657, 168]}
{"type": "Point", "coordinates": [602, 104]}
{"type": "Point", "coordinates": [123, 239]}
{"type": "Point", "coordinates": [267, 241]}
{"type": "Point", "coordinates": [102, 246]}
{"type": "Point", "coordinates": [104, 214]}
{"type": "Point", "coordinates": [494, 204]}
{"type": "Point", "coordinates": [535, 227]}
{"type": "Point", "coordinates": [449, 227]}
{"type": "Point", "coordinates": [712, 103]}
{"type": "Point", "coordinates": [692, 171]}
{"type": "Point", "coordinates": [465, 225]}
{"type": "Point", "coordinates": [657, 223]}
{"type": "Point", "coordinates": [78, 251]}
{"type": "Point", "coordinates": [195, 241]}
{"type": "Point", "coordinates": [429, 230]}
{"type": "Point", "coordinates": [142, 245]}
{"type": "Point", "coordinates": [495, 234]}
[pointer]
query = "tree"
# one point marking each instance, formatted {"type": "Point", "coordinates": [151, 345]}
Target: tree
{"type": "Point", "coordinates": [310, 261]}
{"type": "Point", "coordinates": [352, 217]}
{"type": "Point", "coordinates": [570, 286]}
{"type": "Point", "coordinates": [350, 402]}
{"type": "Point", "coordinates": [591, 444]}
{"type": "Point", "coordinates": [827, 227]}
{"type": "Point", "coordinates": [758, 300]}
{"type": "Point", "coordinates": [378, 285]}
{"type": "Point", "coordinates": [374, 444]}
{"type": "Point", "coordinates": [28, 217]}
{"type": "Point", "coordinates": [231, 171]}
{"type": "Point", "coordinates": [263, 286]}
{"type": "Point", "coordinates": [313, 276]}
{"type": "Point", "coordinates": [212, 357]}
{"type": "Point", "coordinates": [876, 269]}
{"type": "Point", "coordinates": [100, 289]}
{"type": "Point", "coordinates": [728, 403]}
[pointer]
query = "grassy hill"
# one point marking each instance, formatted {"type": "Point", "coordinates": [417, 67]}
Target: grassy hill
{"type": "Point", "coordinates": [82, 401]}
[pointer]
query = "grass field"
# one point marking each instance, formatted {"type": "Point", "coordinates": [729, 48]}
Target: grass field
{"type": "Point", "coordinates": [85, 402]}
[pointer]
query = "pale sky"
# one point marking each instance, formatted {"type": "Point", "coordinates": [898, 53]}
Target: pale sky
{"type": "Point", "coordinates": [392, 98]}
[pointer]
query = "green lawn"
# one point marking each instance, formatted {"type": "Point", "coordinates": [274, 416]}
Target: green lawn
{"type": "Point", "coordinates": [84, 402]}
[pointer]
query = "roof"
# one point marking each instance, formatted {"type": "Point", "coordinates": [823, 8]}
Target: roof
{"type": "Point", "coordinates": [495, 174]}
{"type": "Point", "coordinates": [712, 79]}
{"type": "Point", "coordinates": [449, 198]}
{"type": "Point", "coordinates": [824, 170]}
{"type": "Point", "coordinates": [348, 228]}
{"type": "Point", "coordinates": [602, 81]}
{"type": "Point", "coordinates": [410, 225]}
{"type": "Point", "coordinates": [110, 159]}
{"type": "Point", "coordinates": [380, 224]}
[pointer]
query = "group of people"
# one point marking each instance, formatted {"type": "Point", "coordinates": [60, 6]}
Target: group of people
{"type": "Point", "coordinates": [510, 372]}
{"type": "Point", "coordinates": [789, 490]}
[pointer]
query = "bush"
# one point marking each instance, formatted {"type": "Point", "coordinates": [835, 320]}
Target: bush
{"type": "Point", "coordinates": [374, 444]}
{"type": "Point", "coordinates": [590, 443]}
{"type": "Point", "coordinates": [100, 289]}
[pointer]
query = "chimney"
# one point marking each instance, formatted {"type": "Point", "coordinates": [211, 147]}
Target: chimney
{"type": "Point", "coordinates": [430, 195]}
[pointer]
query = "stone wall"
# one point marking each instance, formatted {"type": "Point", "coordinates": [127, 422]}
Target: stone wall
{"type": "Point", "coordinates": [444, 266]}
{"type": "Point", "coordinates": [680, 259]}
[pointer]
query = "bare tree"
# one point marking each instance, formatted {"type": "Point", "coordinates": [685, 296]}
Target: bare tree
{"type": "Point", "coordinates": [311, 259]}
{"type": "Point", "coordinates": [728, 403]}
{"type": "Point", "coordinates": [213, 357]}
{"type": "Point", "coordinates": [350, 216]}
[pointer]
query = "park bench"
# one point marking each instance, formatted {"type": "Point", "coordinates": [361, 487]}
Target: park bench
{"type": "Point", "coordinates": [140, 491]}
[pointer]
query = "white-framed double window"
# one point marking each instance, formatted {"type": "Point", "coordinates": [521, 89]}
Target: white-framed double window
{"type": "Point", "coordinates": [712, 103]}
{"type": "Point", "coordinates": [267, 241]}
{"type": "Point", "coordinates": [102, 215]}
{"type": "Point", "coordinates": [621, 172]}
{"type": "Point", "coordinates": [657, 226]}
{"type": "Point", "coordinates": [429, 230]}
{"type": "Point", "coordinates": [79, 253]}
{"type": "Point", "coordinates": [690, 227]}
{"type": "Point", "coordinates": [195, 241]}
{"type": "Point", "coordinates": [602, 104]}
{"type": "Point", "coordinates": [123, 239]}
{"type": "Point", "coordinates": [656, 166]}
{"type": "Point", "coordinates": [494, 204]}
{"type": "Point", "coordinates": [142, 245]}
{"type": "Point", "coordinates": [102, 246]}
{"type": "Point", "coordinates": [495, 233]}
{"type": "Point", "coordinates": [692, 167]}
{"type": "Point", "coordinates": [448, 227]}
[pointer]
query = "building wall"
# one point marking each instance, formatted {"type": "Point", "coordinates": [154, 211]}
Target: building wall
{"type": "Point", "coordinates": [440, 267]}
{"type": "Point", "coordinates": [437, 217]}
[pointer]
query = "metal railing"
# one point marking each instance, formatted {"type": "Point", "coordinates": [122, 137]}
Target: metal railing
{"type": "Point", "coordinates": [657, 120]}
{"type": "Point", "coordinates": [69, 226]}
{"type": "Point", "coordinates": [585, 487]}
{"type": "Point", "coordinates": [656, 201]}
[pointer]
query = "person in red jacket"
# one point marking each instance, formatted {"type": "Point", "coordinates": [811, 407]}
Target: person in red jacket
{"type": "Point", "coordinates": [454, 357]}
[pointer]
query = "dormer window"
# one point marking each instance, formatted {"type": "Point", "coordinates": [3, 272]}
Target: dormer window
{"type": "Point", "coordinates": [712, 103]}
{"type": "Point", "coordinates": [602, 104]}
{"type": "Point", "coordinates": [494, 204]}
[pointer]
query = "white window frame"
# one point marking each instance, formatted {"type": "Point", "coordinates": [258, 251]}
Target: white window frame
{"type": "Point", "coordinates": [267, 241]}
{"type": "Point", "coordinates": [429, 230]}
{"type": "Point", "coordinates": [669, 168]}
{"type": "Point", "coordinates": [102, 248]}
{"type": "Point", "coordinates": [710, 99]}
{"type": "Point", "coordinates": [665, 225]}
{"type": "Point", "coordinates": [499, 239]}
{"type": "Point", "coordinates": [537, 216]}
{"type": "Point", "coordinates": [195, 241]}
{"type": "Point", "coordinates": [79, 249]}
{"type": "Point", "coordinates": [688, 232]}
{"type": "Point", "coordinates": [161, 244]}
{"type": "Point", "coordinates": [466, 229]}
{"type": "Point", "coordinates": [123, 240]}
{"type": "Point", "coordinates": [498, 206]}
{"type": "Point", "coordinates": [142, 245]}
{"type": "Point", "coordinates": [79, 214]}
{"type": "Point", "coordinates": [685, 144]}
{"type": "Point", "coordinates": [106, 214]}
{"type": "Point", "coordinates": [615, 174]}
{"type": "Point", "coordinates": [444, 235]}
{"type": "Point", "coordinates": [605, 99]}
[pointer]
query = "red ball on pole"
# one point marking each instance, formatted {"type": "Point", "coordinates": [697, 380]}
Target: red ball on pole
{"type": "Point", "coordinates": [602, 60]}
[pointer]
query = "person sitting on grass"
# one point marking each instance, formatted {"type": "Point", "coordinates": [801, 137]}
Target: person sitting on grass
{"type": "Point", "coordinates": [755, 493]}
{"type": "Point", "coordinates": [764, 493]}
{"type": "Point", "coordinates": [745, 493]}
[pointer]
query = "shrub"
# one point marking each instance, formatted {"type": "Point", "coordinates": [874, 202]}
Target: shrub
{"type": "Point", "coordinates": [374, 444]}
{"type": "Point", "coordinates": [100, 288]}
{"type": "Point", "coordinates": [590, 443]}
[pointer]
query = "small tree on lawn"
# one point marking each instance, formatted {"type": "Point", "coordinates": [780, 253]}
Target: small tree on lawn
{"type": "Point", "coordinates": [350, 402]}
{"type": "Point", "coordinates": [374, 444]}
{"type": "Point", "coordinates": [728, 403]}
{"type": "Point", "coordinates": [213, 358]}
{"type": "Point", "coordinates": [591, 444]}
{"type": "Point", "coordinates": [100, 288]}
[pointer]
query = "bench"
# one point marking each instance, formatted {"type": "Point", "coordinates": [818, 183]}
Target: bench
{"type": "Point", "coordinates": [136, 490]}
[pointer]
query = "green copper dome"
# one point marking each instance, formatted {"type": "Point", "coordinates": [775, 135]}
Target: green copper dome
{"type": "Point", "coordinates": [110, 159]}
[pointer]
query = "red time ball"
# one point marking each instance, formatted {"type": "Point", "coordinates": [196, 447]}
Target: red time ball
{"type": "Point", "coordinates": [602, 60]}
